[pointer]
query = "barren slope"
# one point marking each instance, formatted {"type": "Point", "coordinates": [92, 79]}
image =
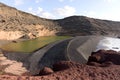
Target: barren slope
{"type": "Point", "coordinates": [16, 24]}
{"type": "Point", "coordinates": [81, 25]}
{"type": "Point", "coordinates": [20, 24]}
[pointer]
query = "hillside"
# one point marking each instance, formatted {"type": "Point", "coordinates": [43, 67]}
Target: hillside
{"type": "Point", "coordinates": [81, 25]}
{"type": "Point", "coordinates": [15, 24]}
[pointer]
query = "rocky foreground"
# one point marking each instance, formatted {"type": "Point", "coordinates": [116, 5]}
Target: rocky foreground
{"type": "Point", "coordinates": [101, 65]}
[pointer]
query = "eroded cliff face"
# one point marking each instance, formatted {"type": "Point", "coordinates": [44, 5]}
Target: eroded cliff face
{"type": "Point", "coordinates": [13, 35]}
{"type": "Point", "coordinates": [37, 32]}
{"type": "Point", "coordinates": [15, 24]}
{"type": "Point", "coordinates": [10, 35]}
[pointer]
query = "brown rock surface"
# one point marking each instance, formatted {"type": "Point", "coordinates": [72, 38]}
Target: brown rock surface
{"type": "Point", "coordinates": [108, 69]}
{"type": "Point", "coordinates": [103, 56]}
{"type": "Point", "coordinates": [102, 65]}
{"type": "Point", "coordinates": [46, 71]}
{"type": "Point", "coordinates": [75, 72]}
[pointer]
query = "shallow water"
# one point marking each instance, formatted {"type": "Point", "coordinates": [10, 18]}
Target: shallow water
{"type": "Point", "coordinates": [31, 45]}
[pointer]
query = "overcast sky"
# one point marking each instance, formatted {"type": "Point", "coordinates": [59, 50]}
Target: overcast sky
{"type": "Point", "coordinates": [56, 9]}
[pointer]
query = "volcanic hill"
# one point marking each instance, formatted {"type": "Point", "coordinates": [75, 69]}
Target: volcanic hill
{"type": "Point", "coordinates": [15, 24]}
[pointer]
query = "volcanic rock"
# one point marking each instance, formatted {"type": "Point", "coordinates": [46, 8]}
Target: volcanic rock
{"type": "Point", "coordinates": [75, 72]}
{"type": "Point", "coordinates": [46, 71]}
{"type": "Point", "coordinates": [62, 65]}
{"type": "Point", "coordinates": [103, 56]}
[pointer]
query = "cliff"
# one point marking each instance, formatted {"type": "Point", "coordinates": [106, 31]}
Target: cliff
{"type": "Point", "coordinates": [24, 24]}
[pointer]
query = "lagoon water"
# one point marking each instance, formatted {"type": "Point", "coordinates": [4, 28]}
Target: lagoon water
{"type": "Point", "coordinates": [31, 45]}
{"type": "Point", "coordinates": [106, 43]}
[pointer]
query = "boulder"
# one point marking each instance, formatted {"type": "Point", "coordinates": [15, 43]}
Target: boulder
{"type": "Point", "coordinates": [105, 56]}
{"type": "Point", "coordinates": [46, 71]}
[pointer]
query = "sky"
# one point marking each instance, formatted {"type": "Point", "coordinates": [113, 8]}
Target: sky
{"type": "Point", "coordinates": [57, 9]}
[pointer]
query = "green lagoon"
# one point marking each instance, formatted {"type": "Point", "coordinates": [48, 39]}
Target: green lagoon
{"type": "Point", "coordinates": [31, 45]}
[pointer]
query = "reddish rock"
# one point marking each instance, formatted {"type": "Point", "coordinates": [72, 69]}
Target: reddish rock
{"type": "Point", "coordinates": [46, 71]}
{"type": "Point", "coordinates": [67, 70]}
{"type": "Point", "coordinates": [94, 64]}
{"type": "Point", "coordinates": [27, 74]}
{"type": "Point", "coordinates": [62, 65]}
{"type": "Point", "coordinates": [103, 56]}
{"type": "Point", "coordinates": [75, 72]}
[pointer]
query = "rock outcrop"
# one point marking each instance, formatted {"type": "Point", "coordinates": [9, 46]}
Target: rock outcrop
{"type": "Point", "coordinates": [12, 20]}
{"type": "Point", "coordinates": [105, 56]}
{"type": "Point", "coordinates": [46, 71]}
{"type": "Point", "coordinates": [10, 35]}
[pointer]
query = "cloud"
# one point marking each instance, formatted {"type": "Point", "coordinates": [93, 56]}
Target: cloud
{"type": "Point", "coordinates": [95, 14]}
{"type": "Point", "coordinates": [64, 0]}
{"type": "Point", "coordinates": [40, 9]}
{"type": "Point", "coordinates": [37, 1]}
{"type": "Point", "coordinates": [61, 0]}
{"type": "Point", "coordinates": [47, 15]}
{"type": "Point", "coordinates": [18, 2]}
{"type": "Point", "coordinates": [30, 9]}
{"type": "Point", "coordinates": [110, 1]}
{"type": "Point", "coordinates": [65, 11]}
{"type": "Point", "coordinates": [35, 12]}
{"type": "Point", "coordinates": [109, 15]}
{"type": "Point", "coordinates": [91, 14]}
{"type": "Point", "coordinates": [40, 12]}
{"type": "Point", "coordinates": [71, 0]}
